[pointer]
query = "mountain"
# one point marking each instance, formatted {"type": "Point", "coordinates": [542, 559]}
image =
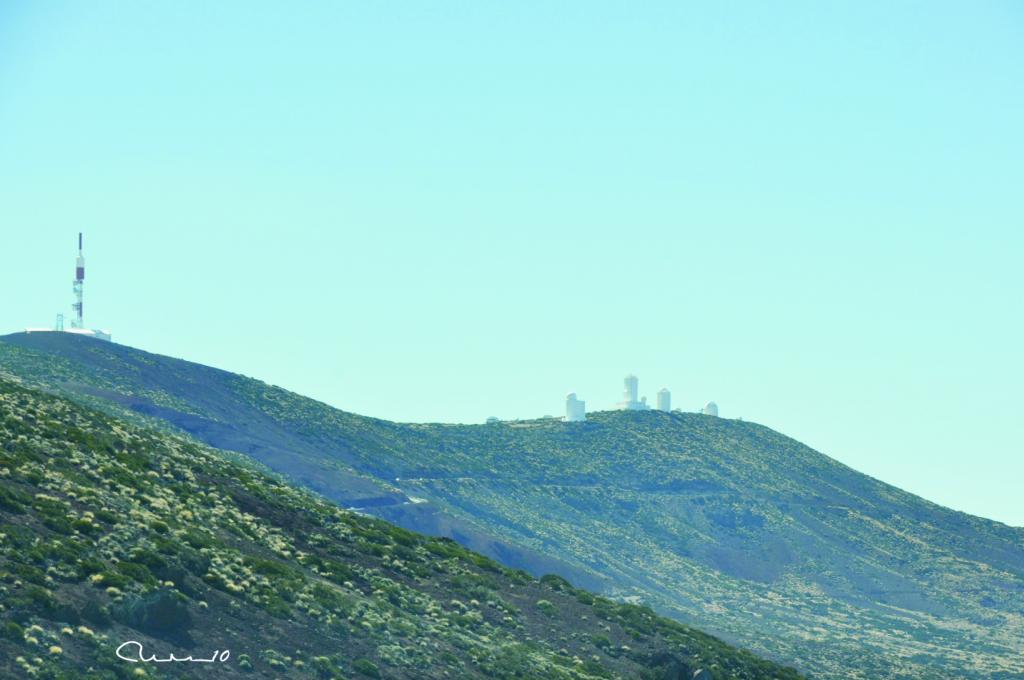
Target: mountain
{"type": "Point", "coordinates": [110, 533]}
{"type": "Point", "coordinates": [231, 412]}
{"type": "Point", "coordinates": [724, 524]}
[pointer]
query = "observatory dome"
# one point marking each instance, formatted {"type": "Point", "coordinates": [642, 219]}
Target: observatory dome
{"type": "Point", "coordinates": [710, 409]}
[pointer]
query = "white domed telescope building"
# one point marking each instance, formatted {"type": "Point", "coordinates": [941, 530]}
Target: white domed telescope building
{"type": "Point", "coordinates": [710, 409]}
{"type": "Point", "coordinates": [575, 409]}
{"type": "Point", "coordinates": [629, 396]}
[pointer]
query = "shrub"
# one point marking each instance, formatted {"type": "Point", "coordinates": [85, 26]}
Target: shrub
{"type": "Point", "coordinates": [148, 558]}
{"type": "Point", "coordinates": [40, 598]}
{"type": "Point", "coordinates": [13, 500]}
{"type": "Point", "coordinates": [93, 612]}
{"type": "Point", "coordinates": [12, 631]}
{"type": "Point", "coordinates": [85, 526]}
{"type": "Point", "coordinates": [110, 578]}
{"type": "Point", "coordinates": [89, 566]}
{"type": "Point", "coordinates": [325, 668]}
{"type": "Point", "coordinates": [275, 606]}
{"type": "Point", "coordinates": [366, 667]}
{"type": "Point", "coordinates": [198, 539]}
{"type": "Point", "coordinates": [137, 572]}
{"type": "Point", "coordinates": [335, 571]}
{"type": "Point", "coordinates": [161, 613]}
{"type": "Point", "coordinates": [584, 597]}
{"type": "Point", "coordinates": [556, 582]}
{"type": "Point", "coordinates": [58, 524]}
{"type": "Point", "coordinates": [31, 574]}
{"type": "Point", "coordinates": [269, 567]}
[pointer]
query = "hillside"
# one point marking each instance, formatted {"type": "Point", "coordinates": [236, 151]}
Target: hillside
{"type": "Point", "coordinates": [110, 533]}
{"type": "Point", "coordinates": [725, 524]}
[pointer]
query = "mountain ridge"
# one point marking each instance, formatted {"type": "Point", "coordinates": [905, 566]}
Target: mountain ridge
{"type": "Point", "coordinates": [211, 422]}
{"type": "Point", "coordinates": [725, 523]}
{"type": "Point", "coordinates": [117, 542]}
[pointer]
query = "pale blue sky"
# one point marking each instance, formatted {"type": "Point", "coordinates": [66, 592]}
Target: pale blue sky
{"type": "Point", "coordinates": [809, 212]}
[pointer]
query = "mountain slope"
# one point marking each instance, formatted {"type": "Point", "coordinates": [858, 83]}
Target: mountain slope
{"type": "Point", "coordinates": [223, 410]}
{"type": "Point", "coordinates": [109, 533]}
{"type": "Point", "coordinates": [726, 524]}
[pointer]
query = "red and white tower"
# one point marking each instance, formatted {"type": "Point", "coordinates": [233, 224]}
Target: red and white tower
{"type": "Point", "coordinates": [77, 286]}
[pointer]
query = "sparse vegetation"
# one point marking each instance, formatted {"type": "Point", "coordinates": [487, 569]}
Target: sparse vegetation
{"type": "Point", "coordinates": [723, 524]}
{"type": "Point", "coordinates": [167, 542]}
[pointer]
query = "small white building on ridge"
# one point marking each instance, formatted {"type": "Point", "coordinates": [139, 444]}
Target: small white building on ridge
{"type": "Point", "coordinates": [629, 396]}
{"type": "Point", "coordinates": [575, 409]}
{"type": "Point", "coordinates": [664, 400]}
{"type": "Point", "coordinates": [87, 332]}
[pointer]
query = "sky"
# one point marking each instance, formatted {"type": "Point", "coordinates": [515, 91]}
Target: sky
{"type": "Point", "coordinates": [810, 213]}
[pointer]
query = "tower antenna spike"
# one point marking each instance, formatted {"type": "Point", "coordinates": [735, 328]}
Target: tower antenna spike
{"type": "Point", "coordinates": [76, 287]}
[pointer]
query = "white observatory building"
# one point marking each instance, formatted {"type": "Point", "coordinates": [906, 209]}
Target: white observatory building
{"type": "Point", "coordinates": [575, 409]}
{"type": "Point", "coordinates": [710, 409]}
{"type": "Point", "coordinates": [629, 395]}
{"type": "Point", "coordinates": [664, 400]}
